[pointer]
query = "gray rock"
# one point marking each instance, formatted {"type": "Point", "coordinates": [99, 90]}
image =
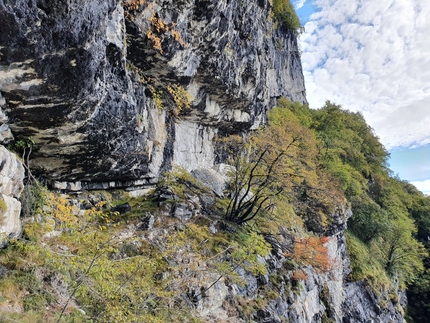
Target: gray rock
{"type": "Point", "coordinates": [10, 222]}
{"type": "Point", "coordinates": [11, 173]}
{"type": "Point", "coordinates": [147, 222]}
{"type": "Point", "coordinates": [212, 179]}
{"type": "Point", "coordinates": [5, 133]}
{"type": "Point", "coordinates": [362, 305]}
{"type": "Point", "coordinates": [182, 211]}
{"type": "Point", "coordinates": [212, 228]}
{"type": "Point", "coordinates": [11, 186]}
{"type": "Point", "coordinates": [80, 77]}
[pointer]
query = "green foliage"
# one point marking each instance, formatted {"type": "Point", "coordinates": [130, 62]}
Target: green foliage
{"type": "Point", "coordinates": [181, 184]}
{"type": "Point", "coordinates": [383, 220]}
{"type": "Point", "coordinates": [181, 98]}
{"type": "Point", "coordinates": [3, 205]}
{"type": "Point", "coordinates": [21, 144]}
{"type": "Point", "coordinates": [347, 155]}
{"type": "Point", "coordinates": [348, 144]}
{"type": "Point", "coordinates": [284, 12]}
{"type": "Point", "coordinates": [139, 206]}
{"type": "Point", "coordinates": [398, 251]}
{"type": "Point", "coordinates": [294, 110]}
{"type": "Point", "coordinates": [369, 220]}
{"type": "Point", "coordinates": [32, 199]}
{"type": "Point", "coordinates": [418, 292]}
{"type": "Point", "coordinates": [276, 174]}
{"type": "Point", "coordinates": [273, 162]}
{"type": "Point", "coordinates": [110, 283]}
{"type": "Point", "coordinates": [364, 265]}
{"type": "Point", "coordinates": [352, 157]}
{"type": "Point", "coordinates": [418, 310]}
{"type": "Point", "coordinates": [314, 154]}
{"type": "Point", "coordinates": [118, 277]}
{"type": "Point", "coordinates": [34, 302]}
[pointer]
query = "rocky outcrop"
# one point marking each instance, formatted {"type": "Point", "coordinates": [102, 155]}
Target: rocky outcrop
{"type": "Point", "coordinates": [11, 186]}
{"type": "Point", "coordinates": [362, 305]}
{"type": "Point", "coordinates": [93, 82]}
{"type": "Point", "coordinates": [288, 292]}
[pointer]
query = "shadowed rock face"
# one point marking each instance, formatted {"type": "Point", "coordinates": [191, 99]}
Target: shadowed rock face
{"type": "Point", "coordinates": [80, 77]}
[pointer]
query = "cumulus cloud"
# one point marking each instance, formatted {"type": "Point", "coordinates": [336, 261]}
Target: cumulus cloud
{"type": "Point", "coordinates": [298, 4]}
{"type": "Point", "coordinates": [423, 186]}
{"type": "Point", "coordinates": [373, 57]}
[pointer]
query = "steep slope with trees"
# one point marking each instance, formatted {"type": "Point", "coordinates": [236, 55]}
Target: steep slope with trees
{"type": "Point", "coordinates": [263, 241]}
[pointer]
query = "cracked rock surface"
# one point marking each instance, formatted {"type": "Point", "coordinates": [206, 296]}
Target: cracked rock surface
{"type": "Point", "coordinates": [89, 82]}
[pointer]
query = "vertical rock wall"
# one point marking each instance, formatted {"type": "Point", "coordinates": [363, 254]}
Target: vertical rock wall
{"type": "Point", "coordinates": [89, 82]}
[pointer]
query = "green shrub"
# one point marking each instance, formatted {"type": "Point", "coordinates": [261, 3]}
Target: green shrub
{"type": "Point", "coordinates": [34, 302]}
{"type": "Point", "coordinates": [364, 265]}
{"type": "Point", "coordinates": [33, 197]}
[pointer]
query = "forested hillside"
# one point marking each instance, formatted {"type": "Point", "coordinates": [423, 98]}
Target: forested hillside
{"type": "Point", "coordinates": [320, 155]}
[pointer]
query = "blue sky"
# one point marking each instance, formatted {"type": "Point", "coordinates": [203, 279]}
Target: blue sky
{"type": "Point", "coordinates": [374, 57]}
{"type": "Point", "coordinates": [412, 163]}
{"type": "Point", "coordinates": [305, 11]}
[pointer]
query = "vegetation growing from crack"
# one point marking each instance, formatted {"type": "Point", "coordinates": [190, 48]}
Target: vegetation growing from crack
{"type": "Point", "coordinates": [158, 31]}
{"type": "Point", "coordinates": [181, 98]}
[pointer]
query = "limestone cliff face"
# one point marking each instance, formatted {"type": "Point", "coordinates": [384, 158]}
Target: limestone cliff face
{"type": "Point", "coordinates": [100, 87]}
{"type": "Point", "coordinates": [93, 82]}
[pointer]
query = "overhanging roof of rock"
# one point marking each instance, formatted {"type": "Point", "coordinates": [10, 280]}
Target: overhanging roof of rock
{"type": "Point", "coordinates": [78, 77]}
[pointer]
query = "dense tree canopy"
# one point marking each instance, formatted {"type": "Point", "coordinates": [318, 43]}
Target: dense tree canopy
{"type": "Point", "coordinates": [315, 158]}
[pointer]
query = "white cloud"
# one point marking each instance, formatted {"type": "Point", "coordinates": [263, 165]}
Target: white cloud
{"type": "Point", "coordinates": [423, 186]}
{"type": "Point", "coordinates": [373, 57]}
{"type": "Point", "coordinates": [299, 3]}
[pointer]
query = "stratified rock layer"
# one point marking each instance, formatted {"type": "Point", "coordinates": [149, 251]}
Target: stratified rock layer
{"type": "Point", "coordinates": [82, 78]}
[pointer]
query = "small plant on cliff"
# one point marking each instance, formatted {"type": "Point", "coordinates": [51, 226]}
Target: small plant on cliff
{"type": "Point", "coordinates": [312, 251]}
{"type": "Point", "coordinates": [23, 146]}
{"type": "Point", "coordinates": [157, 97]}
{"type": "Point", "coordinates": [3, 209]}
{"type": "Point", "coordinates": [181, 98]}
{"type": "Point", "coordinates": [159, 28]}
{"type": "Point", "coordinates": [3, 205]}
